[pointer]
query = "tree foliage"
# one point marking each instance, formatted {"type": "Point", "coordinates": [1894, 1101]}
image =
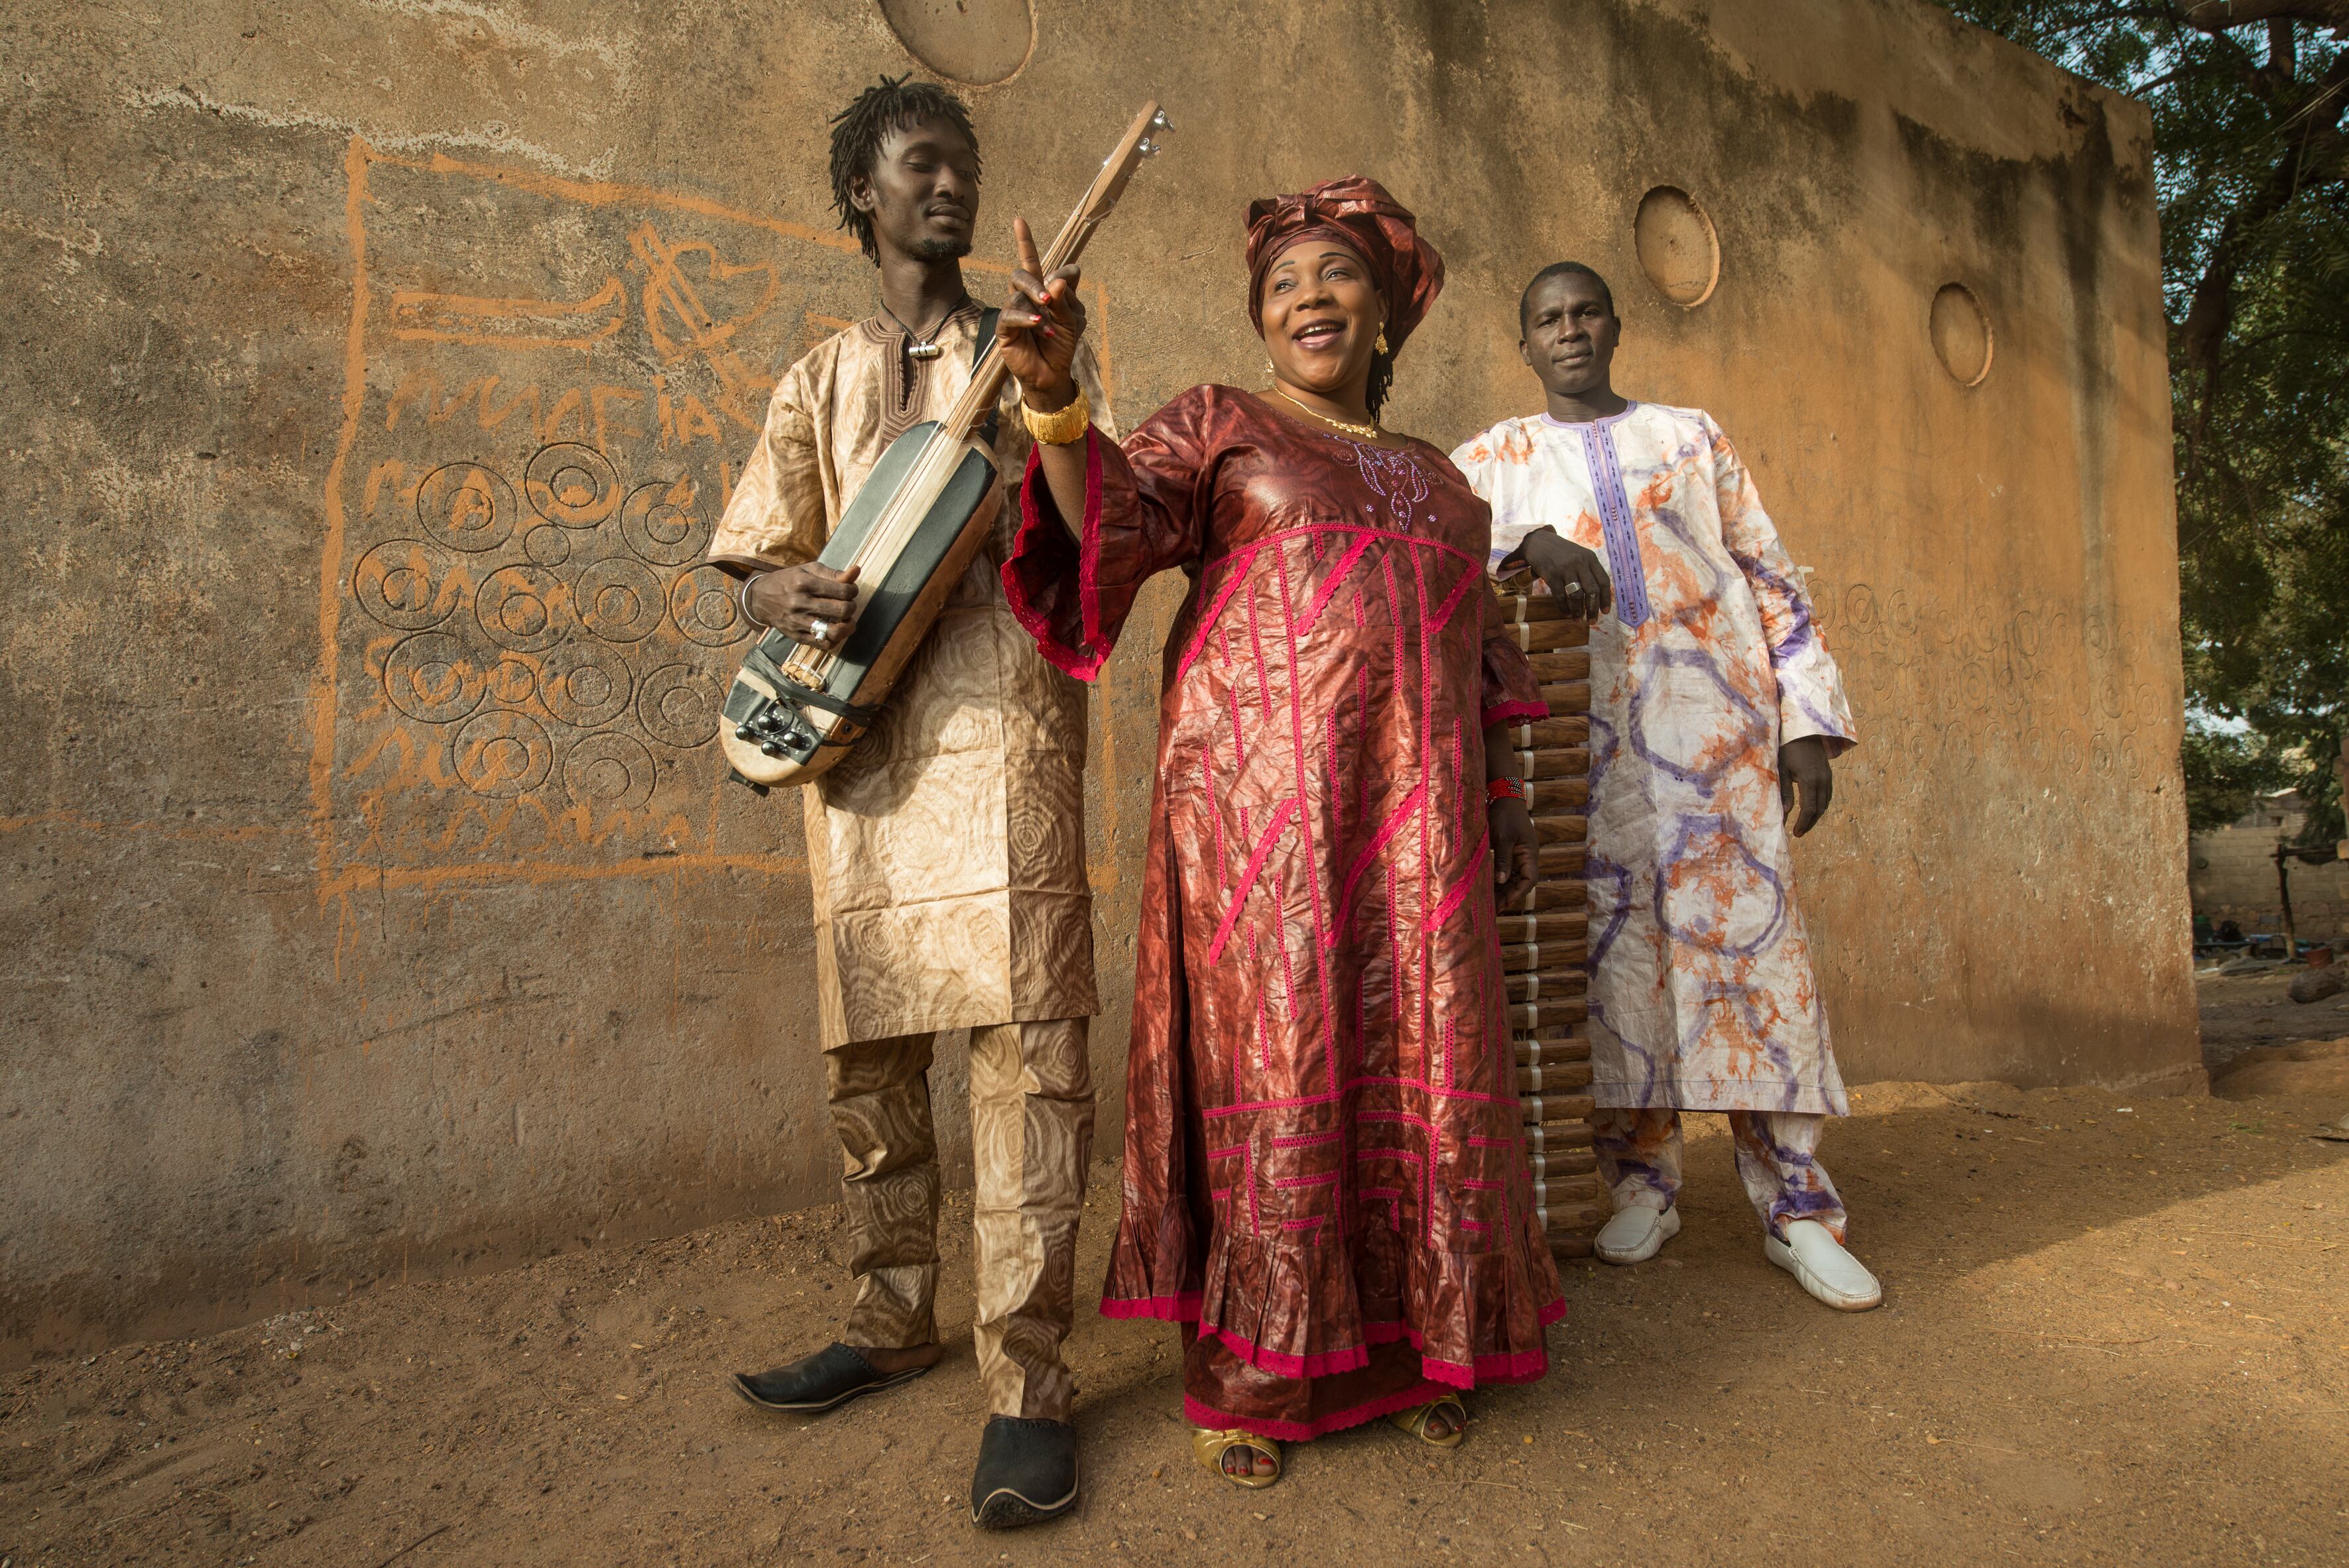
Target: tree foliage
{"type": "Point", "coordinates": [2250, 114]}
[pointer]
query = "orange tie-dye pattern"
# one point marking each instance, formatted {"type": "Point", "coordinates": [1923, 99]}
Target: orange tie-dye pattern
{"type": "Point", "coordinates": [1703, 991]}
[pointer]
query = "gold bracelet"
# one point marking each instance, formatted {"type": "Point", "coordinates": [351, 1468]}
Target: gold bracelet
{"type": "Point", "coordinates": [1062, 426]}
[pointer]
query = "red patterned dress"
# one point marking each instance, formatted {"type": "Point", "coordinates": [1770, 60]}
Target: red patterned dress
{"type": "Point", "coordinates": [1324, 1178]}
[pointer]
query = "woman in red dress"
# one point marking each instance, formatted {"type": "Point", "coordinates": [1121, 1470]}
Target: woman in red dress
{"type": "Point", "coordinates": [1325, 1183]}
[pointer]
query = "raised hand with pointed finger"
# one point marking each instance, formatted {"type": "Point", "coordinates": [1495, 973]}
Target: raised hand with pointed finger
{"type": "Point", "coordinates": [1039, 327]}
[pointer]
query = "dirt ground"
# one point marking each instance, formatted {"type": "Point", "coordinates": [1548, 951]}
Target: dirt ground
{"type": "Point", "coordinates": [2241, 1011]}
{"type": "Point", "coordinates": [2114, 1331]}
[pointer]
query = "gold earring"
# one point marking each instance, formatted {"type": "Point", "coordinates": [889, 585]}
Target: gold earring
{"type": "Point", "coordinates": [1268, 369]}
{"type": "Point", "coordinates": [1382, 344]}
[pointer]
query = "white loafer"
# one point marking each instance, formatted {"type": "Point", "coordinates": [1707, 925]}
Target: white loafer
{"type": "Point", "coordinates": [1635, 1234]}
{"type": "Point", "coordinates": [1818, 1262]}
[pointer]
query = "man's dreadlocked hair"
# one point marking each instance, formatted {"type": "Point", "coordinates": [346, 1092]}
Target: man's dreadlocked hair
{"type": "Point", "coordinates": [858, 131]}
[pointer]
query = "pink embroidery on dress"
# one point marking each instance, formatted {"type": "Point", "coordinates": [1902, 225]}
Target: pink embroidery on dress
{"type": "Point", "coordinates": [1263, 679]}
{"type": "Point", "coordinates": [1371, 852]}
{"type": "Point", "coordinates": [1247, 878]}
{"type": "Point", "coordinates": [1214, 817]}
{"type": "Point", "coordinates": [1209, 624]}
{"type": "Point", "coordinates": [1426, 728]}
{"type": "Point", "coordinates": [1337, 579]}
{"type": "Point", "coordinates": [1305, 827]}
{"type": "Point", "coordinates": [1288, 973]}
{"type": "Point", "coordinates": [1247, 1177]}
{"type": "Point", "coordinates": [1460, 889]}
{"type": "Point", "coordinates": [1333, 779]}
{"type": "Point", "coordinates": [1452, 601]}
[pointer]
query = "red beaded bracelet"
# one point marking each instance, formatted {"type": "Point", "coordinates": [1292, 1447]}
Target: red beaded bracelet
{"type": "Point", "coordinates": [1503, 790]}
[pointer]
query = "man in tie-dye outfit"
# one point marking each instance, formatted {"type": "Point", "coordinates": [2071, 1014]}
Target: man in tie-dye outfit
{"type": "Point", "coordinates": [1712, 699]}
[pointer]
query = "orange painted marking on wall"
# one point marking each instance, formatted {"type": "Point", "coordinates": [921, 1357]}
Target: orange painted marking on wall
{"type": "Point", "coordinates": [494, 783]}
{"type": "Point", "coordinates": [330, 549]}
{"type": "Point", "coordinates": [416, 306]}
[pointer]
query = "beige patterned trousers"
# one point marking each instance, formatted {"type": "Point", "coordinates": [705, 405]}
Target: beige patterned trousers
{"type": "Point", "coordinates": [1031, 1134]}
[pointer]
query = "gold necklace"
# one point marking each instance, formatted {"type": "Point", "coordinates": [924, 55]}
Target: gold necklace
{"type": "Point", "coordinates": [1369, 432]}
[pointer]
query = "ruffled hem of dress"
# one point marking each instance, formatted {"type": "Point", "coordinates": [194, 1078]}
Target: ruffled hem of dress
{"type": "Point", "coordinates": [1278, 1309]}
{"type": "Point", "coordinates": [1044, 536]}
{"type": "Point", "coordinates": [1501, 1367]}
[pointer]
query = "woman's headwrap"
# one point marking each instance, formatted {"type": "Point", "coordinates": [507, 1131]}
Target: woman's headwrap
{"type": "Point", "coordinates": [1358, 214]}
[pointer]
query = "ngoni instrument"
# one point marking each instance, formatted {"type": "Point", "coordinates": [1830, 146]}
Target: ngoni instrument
{"type": "Point", "coordinates": [1544, 939]}
{"type": "Point", "coordinates": [911, 531]}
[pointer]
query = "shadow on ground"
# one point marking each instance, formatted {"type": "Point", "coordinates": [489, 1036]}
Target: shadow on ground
{"type": "Point", "coordinates": [2109, 1335]}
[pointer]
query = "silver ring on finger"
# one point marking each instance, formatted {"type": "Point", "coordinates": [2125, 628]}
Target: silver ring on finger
{"type": "Point", "coordinates": [820, 630]}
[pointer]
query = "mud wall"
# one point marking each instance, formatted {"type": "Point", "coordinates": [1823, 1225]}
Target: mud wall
{"type": "Point", "coordinates": [2232, 875]}
{"type": "Point", "coordinates": [378, 366]}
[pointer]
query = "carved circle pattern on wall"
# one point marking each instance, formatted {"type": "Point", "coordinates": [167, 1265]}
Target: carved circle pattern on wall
{"type": "Point", "coordinates": [466, 507]}
{"type": "Point", "coordinates": [703, 604]}
{"type": "Point", "coordinates": [585, 683]}
{"type": "Point", "coordinates": [546, 651]}
{"type": "Point", "coordinates": [609, 769]}
{"type": "Point", "coordinates": [502, 753]}
{"type": "Point", "coordinates": [664, 523]}
{"type": "Point", "coordinates": [521, 608]}
{"type": "Point", "coordinates": [980, 42]}
{"type": "Point", "coordinates": [432, 676]}
{"type": "Point", "coordinates": [407, 585]}
{"type": "Point", "coordinates": [619, 599]}
{"type": "Point", "coordinates": [679, 705]}
{"type": "Point", "coordinates": [1961, 335]}
{"type": "Point", "coordinates": [571, 483]}
{"type": "Point", "coordinates": [1677, 246]}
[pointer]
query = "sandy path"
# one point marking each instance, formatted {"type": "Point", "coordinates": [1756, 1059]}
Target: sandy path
{"type": "Point", "coordinates": [2243, 1011]}
{"type": "Point", "coordinates": [2108, 1337]}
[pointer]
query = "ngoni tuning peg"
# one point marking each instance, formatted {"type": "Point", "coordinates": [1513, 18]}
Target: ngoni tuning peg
{"type": "Point", "coordinates": [1159, 122]}
{"type": "Point", "coordinates": [1147, 148]}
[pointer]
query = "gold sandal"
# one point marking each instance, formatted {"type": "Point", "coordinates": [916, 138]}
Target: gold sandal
{"type": "Point", "coordinates": [1209, 1445]}
{"type": "Point", "coordinates": [1414, 1420]}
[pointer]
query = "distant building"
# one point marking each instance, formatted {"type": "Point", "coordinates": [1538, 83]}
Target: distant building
{"type": "Point", "coordinates": [2231, 873]}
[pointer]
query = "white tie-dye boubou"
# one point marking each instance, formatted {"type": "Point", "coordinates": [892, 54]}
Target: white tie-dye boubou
{"type": "Point", "coordinates": [1702, 994]}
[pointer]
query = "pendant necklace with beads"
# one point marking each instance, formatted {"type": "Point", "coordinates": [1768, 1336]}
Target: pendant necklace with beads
{"type": "Point", "coordinates": [924, 345]}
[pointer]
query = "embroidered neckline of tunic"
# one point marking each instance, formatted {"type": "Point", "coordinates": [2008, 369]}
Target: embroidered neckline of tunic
{"type": "Point", "coordinates": [1623, 560]}
{"type": "Point", "coordinates": [901, 392]}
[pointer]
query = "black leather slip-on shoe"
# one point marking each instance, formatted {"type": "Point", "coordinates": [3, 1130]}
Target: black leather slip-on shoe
{"type": "Point", "coordinates": [815, 1383]}
{"type": "Point", "coordinates": [1026, 1473]}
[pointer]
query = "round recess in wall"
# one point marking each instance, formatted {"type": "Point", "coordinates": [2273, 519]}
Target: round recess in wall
{"type": "Point", "coordinates": [980, 42]}
{"type": "Point", "coordinates": [1677, 248]}
{"type": "Point", "coordinates": [1960, 332]}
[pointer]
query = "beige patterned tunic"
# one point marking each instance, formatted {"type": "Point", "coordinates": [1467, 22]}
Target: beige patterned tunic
{"type": "Point", "coordinates": [947, 849]}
